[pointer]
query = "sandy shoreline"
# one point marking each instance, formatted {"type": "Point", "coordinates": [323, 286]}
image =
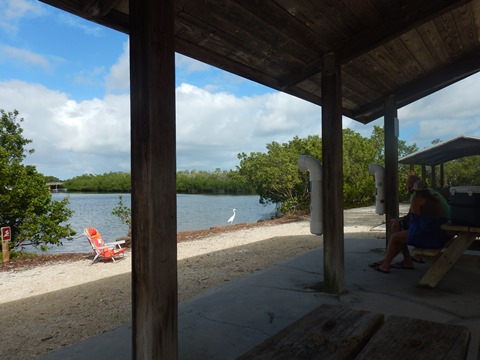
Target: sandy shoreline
{"type": "Point", "coordinates": [53, 277]}
{"type": "Point", "coordinates": [58, 304]}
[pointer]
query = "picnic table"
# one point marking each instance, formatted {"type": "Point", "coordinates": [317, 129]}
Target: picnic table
{"type": "Point", "coordinates": [446, 258]}
{"type": "Point", "coordinates": [339, 332]}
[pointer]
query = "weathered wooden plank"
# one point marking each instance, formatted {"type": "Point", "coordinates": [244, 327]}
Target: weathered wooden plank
{"type": "Point", "coordinates": [395, 20]}
{"type": "Point", "coordinates": [154, 225]}
{"type": "Point", "coordinates": [412, 55]}
{"type": "Point", "coordinates": [360, 90]}
{"type": "Point", "coordinates": [368, 71]}
{"type": "Point", "coordinates": [465, 24]}
{"type": "Point", "coordinates": [447, 29]}
{"type": "Point", "coordinates": [233, 23]}
{"type": "Point", "coordinates": [373, 67]}
{"type": "Point", "coordinates": [408, 62]}
{"type": "Point", "coordinates": [432, 44]}
{"type": "Point", "coordinates": [294, 19]}
{"type": "Point", "coordinates": [229, 53]}
{"type": "Point", "coordinates": [388, 62]}
{"type": "Point", "coordinates": [455, 228]}
{"type": "Point", "coordinates": [475, 8]}
{"type": "Point", "coordinates": [324, 20]}
{"type": "Point", "coordinates": [328, 332]}
{"type": "Point", "coordinates": [376, 89]}
{"type": "Point", "coordinates": [403, 338]}
{"type": "Point", "coordinates": [425, 252]}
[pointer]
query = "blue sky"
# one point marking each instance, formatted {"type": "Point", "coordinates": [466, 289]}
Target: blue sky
{"type": "Point", "coordinates": [69, 79]}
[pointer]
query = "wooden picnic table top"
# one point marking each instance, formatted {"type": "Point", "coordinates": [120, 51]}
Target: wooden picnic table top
{"type": "Point", "coordinates": [460, 228]}
{"type": "Point", "coordinates": [338, 332]}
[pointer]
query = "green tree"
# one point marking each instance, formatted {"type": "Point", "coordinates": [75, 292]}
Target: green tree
{"type": "Point", "coordinates": [378, 139]}
{"type": "Point", "coordinates": [462, 172]}
{"type": "Point", "coordinates": [108, 182]}
{"type": "Point", "coordinates": [358, 153]}
{"type": "Point", "coordinates": [50, 178]}
{"type": "Point", "coordinates": [274, 175]}
{"type": "Point", "coordinates": [25, 201]}
{"type": "Point", "coordinates": [124, 213]}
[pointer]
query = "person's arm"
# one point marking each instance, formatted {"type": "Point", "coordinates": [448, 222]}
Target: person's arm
{"type": "Point", "coordinates": [417, 204]}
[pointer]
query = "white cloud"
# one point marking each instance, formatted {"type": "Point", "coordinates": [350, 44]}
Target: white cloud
{"type": "Point", "coordinates": [12, 11]}
{"type": "Point", "coordinates": [85, 26]}
{"type": "Point", "coordinates": [69, 137]}
{"type": "Point", "coordinates": [93, 78]}
{"type": "Point", "coordinates": [448, 113]}
{"type": "Point", "coordinates": [212, 128]}
{"type": "Point", "coordinates": [25, 57]}
{"type": "Point", "coordinates": [189, 65]}
{"type": "Point", "coordinates": [285, 114]}
{"type": "Point", "coordinates": [118, 80]}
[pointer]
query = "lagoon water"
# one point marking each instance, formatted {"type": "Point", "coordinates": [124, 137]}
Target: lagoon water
{"type": "Point", "coordinates": [194, 212]}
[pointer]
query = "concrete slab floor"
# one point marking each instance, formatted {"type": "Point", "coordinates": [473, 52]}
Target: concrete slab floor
{"type": "Point", "coordinates": [227, 321]}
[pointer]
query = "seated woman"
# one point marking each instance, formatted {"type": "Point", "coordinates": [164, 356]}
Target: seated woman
{"type": "Point", "coordinates": [424, 230]}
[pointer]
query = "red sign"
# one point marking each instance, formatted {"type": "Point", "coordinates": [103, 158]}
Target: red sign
{"type": "Point", "coordinates": [6, 233]}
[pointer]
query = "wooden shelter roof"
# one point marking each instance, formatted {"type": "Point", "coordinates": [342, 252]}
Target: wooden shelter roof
{"type": "Point", "coordinates": [407, 48]}
{"type": "Point", "coordinates": [456, 148]}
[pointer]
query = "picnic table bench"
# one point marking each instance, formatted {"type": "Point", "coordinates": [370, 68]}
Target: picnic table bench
{"type": "Point", "coordinates": [446, 258]}
{"type": "Point", "coordinates": [338, 332]}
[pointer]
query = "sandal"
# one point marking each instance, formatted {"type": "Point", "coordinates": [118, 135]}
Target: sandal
{"type": "Point", "coordinates": [400, 265]}
{"type": "Point", "coordinates": [375, 264]}
{"type": "Point", "coordinates": [379, 269]}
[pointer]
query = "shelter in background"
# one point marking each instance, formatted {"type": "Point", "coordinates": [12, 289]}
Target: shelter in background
{"type": "Point", "coordinates": [439, 154]}
{"type": "Point", "coordinates": [55, 186]}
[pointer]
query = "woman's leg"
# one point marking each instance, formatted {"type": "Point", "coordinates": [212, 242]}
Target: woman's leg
{"type": "Point", "coordinates": [397, 244]}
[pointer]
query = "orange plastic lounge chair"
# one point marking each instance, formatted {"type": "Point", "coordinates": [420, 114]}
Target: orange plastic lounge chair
{"type": "Point", "coordinates": [103, 250]}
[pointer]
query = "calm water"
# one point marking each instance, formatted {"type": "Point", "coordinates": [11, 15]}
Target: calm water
{"type": "Point", "coordinates": [195, 212]}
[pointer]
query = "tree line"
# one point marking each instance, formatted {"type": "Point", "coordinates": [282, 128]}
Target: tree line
{"type": "Point", "coordinates": [188, 182]}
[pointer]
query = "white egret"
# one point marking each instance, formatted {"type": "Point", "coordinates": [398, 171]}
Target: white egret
{"type": "Point", "coordinates": [232, 217]}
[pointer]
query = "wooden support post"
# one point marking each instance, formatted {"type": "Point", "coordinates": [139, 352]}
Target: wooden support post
{"type": "Point", "coordinates": [434, 176]}
{"type": "Point", "coordinates": [332, 158]}
{"type": "Point", "coordinates": [442, 176]}
{"type": "Point", "coordinates": [5, 237]}
{"type": "Point", "coordinates": [154, 220]}
{"type": "Point", "coordinates": [391, 163]}
{"type": "Point", "coordinates": [5, 252]}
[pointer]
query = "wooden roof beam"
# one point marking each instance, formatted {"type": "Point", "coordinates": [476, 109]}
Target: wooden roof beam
{"type": "Point", "coordinates": [99, 8]}
{"type": "Point", "coordinates": [196, 51]}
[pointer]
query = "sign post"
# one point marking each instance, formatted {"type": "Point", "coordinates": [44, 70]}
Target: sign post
{"type": "Point", "coordinates": [6, 237]}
